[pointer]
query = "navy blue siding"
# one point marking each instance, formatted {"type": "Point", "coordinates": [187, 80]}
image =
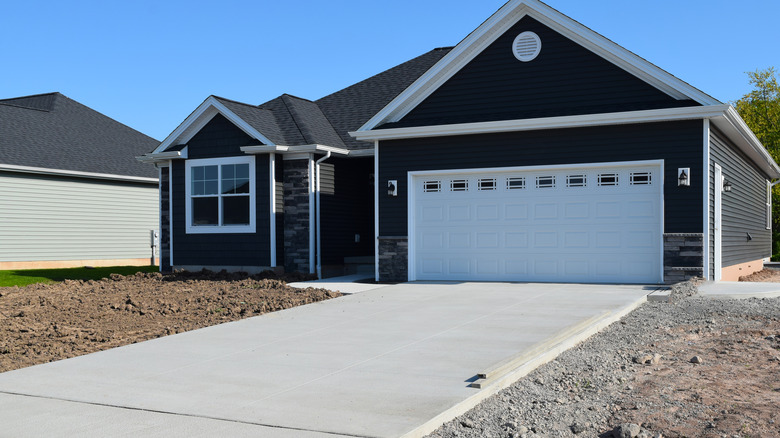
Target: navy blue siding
{"type": "Point", "coordinates": [678, 143]}
{"type": "Point", "coordinates": [743, 210]}
{"type": "Point", "coordinates": [219, 138]}
{"type": "Point", "coordinates": [565, 79]}
{"type": "Point", "coordinates": [347, 202]}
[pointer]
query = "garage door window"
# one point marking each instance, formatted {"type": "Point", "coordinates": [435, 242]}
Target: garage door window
{"type": "Point", "coordinates": [486, 184]}
{"type": "Point", "coordinates": [459, 185]}
{"type": "Point", "coordinates": [432, 186]}
{"type": "Point", "coordinates": [545, 182]}
{"type": "Point", "coordinates": [576, 180]}
{"type": "Point", "coordinates": [515, 183]}
{"type": "Point", "coordinates": [608, 179]}
{"type": "Point", "coordinates": [641, 178]}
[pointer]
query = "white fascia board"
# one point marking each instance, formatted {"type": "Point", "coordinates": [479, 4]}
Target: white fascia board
{"type": "Point", "coordinates": [305, 149]}
{"type": "Point", "coordinates": [263, 149]}
{"type": "Point", "coordinates": [500, 22]}
{"type": "Point", "coordinates": [75, 173]}
{"type": "Point", "coordinates": [621, 118]}
{"type": "Point", "coordinates": [163, 156]}
{"type": "Point", "coordinates": [737, 131]}
{"type": "Point", "coordinates": [202, 115]}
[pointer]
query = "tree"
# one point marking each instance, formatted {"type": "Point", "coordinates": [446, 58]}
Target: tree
{"type": "Point", "coordinates": [760, 109]}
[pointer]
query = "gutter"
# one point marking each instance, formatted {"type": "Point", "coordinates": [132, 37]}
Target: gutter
{"type": "Point", "coordinates": [319, 228]}
{"type": "Point", "coordinates": [75, 173]}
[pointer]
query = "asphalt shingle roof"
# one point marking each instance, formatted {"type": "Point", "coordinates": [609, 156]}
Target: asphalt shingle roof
{"type": "Point", "coordinates": [55, 132]}
{"type": "Point", "coordinates": [353, 106]}
{"type": "Point", "coordinates": [292, 121]}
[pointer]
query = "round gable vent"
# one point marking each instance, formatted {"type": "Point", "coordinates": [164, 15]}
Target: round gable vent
{"type": "Point", "coordinates": [527, 46]}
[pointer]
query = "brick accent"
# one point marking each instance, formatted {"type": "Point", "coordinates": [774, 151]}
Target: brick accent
{"type": "Point", "coordinates": [683, 256]}
{"type": "Point", "coordinates": [295, 182]}
{"type": "Point", "coordinates": [393, 258]}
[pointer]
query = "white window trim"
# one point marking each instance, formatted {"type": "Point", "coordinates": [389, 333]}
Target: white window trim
{"type": "Point", "coordinates": [220, 229]}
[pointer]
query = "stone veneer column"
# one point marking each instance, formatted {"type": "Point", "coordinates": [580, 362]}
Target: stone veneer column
{"type": "Point", "coordinates": [683, 256]}
{"type": "Point", "coordinates": [296, 215]}
{"type": "Point", "coordinates": [393, 258]}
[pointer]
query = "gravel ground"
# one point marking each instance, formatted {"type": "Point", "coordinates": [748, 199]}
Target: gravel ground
{"type": "Point", "coordinates": [638, 377]}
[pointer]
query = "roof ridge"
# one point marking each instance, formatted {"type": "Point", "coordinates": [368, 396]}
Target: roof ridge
{"type": "Point", "coordinates": [28, 102]}
{"type": "Point", "coordinates": [297, 97]}
{"type": "Point", "coordinates": [240, 103]}
{"type": "Point", "coordinates": [293, 116]}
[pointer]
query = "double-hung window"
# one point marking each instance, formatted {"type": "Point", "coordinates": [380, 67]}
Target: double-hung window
{"type": "Point", "coordinates": [220, 195]}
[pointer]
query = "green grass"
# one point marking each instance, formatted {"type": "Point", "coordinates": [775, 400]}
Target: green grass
{"type": "Point", "coordinates": [23, 277]}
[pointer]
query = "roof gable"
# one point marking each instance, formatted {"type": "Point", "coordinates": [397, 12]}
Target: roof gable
{"type": "Point", "coordinates": [497, 25]}
{"type": "Point", "coordinates": [564, 79]}
{"type": "Point", "coordinates": [248, 118]}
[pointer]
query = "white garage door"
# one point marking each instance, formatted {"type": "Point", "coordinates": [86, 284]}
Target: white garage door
{"type": "Point", "coordinates": [594, 224]}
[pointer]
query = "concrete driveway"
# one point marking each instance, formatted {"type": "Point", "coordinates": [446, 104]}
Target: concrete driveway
{"type": "Point", "coordinates": [393, 361]}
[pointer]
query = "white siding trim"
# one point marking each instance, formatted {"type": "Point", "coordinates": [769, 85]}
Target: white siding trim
{"type": "Point", "coordinates": [272, 178]}
{"type": "Point", "coordinates": [558, 122]}
{"type": "Point", "coordinates": [718, 259]}
{"type": "Point", "coordinates": [706, 190]}
{"type": "Point", "coordinates": [376, 210]}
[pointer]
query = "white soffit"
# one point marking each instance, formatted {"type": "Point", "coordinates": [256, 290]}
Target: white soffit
{"type": "Point", "coordinates": [200, 117]}
{"type": "Point", "coordinates": [497, 25]}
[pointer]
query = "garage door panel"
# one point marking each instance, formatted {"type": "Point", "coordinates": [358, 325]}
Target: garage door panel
{"type": "Point", "coordinates": [553, 225]}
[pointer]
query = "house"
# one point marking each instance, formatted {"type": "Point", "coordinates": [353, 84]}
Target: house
{"type": "Point", "coordinates": [534, 150]}
{"type": "Point", "coordinates": [71, 191]}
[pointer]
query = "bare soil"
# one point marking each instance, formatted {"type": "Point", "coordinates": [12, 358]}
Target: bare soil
{"type": "Point", "coordinates": [765, 276]}
{"type": "Point", "coordinates": [46, 322]}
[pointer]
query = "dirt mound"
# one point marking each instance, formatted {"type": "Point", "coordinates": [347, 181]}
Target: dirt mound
{"type": "Point", "coordinates": [46, 322]}
{"type": "Point", "coordinates": [764, 275]}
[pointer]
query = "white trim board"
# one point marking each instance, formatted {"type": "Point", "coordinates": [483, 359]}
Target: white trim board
{"type": "Point", "coordinates": [724, 117]}
{"type": "Point", "coordinates": [497, 25]}
{"type": "Point", "coordinates": [220, 229]}
{"type": "Point", "coordinates": [75, 173]}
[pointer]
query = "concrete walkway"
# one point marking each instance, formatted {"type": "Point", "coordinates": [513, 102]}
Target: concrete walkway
{"type": "Point", "coordinates": [739, 290]}
{"type": "Point", "coordinates": [388, 362]}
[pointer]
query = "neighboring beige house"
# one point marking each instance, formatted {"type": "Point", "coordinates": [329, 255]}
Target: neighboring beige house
{"type": "Point", "coordinates": [71, 191]}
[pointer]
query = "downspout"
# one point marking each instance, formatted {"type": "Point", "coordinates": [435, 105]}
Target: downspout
{"type": "Point", "coordinates": [319, 233]}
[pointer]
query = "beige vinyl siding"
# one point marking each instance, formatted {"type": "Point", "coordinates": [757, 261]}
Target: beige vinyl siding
{"type": "Point", "coordinates": [44, 218]}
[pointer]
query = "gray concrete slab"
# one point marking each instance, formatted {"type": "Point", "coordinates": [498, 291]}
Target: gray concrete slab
{"type": "Point", "coordinates": [727, 290]}
{"type": "Point", "coordinates": [393, 361]}
{"type": "Point", "coordinates": [347, 284]}
{"type": "Point", "coordinates": [739, 289]}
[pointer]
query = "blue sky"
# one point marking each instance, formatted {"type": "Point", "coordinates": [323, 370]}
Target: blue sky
{"type": "Point", "coordinates": [148, 64]}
